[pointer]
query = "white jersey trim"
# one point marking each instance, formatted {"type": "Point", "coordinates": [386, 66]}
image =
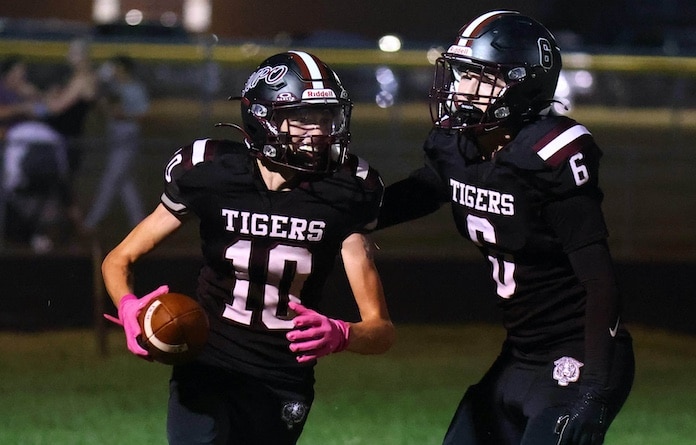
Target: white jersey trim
{"type": "Point", "coordinates": [175, 207]}
{"type": "Point", "coordinates": [198, 152]}
{"type": "Point", "coordinates": [363, 169]}
{"type": "Point", "coordinates": [562, 140]}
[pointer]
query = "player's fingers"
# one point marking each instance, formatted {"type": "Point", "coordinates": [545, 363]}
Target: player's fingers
{"type": "Point", "coordinates": [140, 349]}
{"type": "Point", "coordinates": [304, 321]}
{"type": "Point", "coordinates": [141, 353]}
{"type": "Point", "coordinates": [113, 319]}
{"type": "Point", "coordinates": [309, 341]}
{"type": "Point", "coordinates": [304, 334]}
{"type": "Point", "coordinates": [314, 354]}
{"type": "Point", "coordinates": [152, 295]}
{"type": "Point", "coordinates": [298, 308]}
{"type": "Point", "coordinates": [134, 346]}
{"type": "Point", "coordinates": [306, 358]}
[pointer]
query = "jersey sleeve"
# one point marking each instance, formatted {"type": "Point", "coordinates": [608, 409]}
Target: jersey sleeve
{"type": "Point", "coordinates": [570, 173]}
{"type": "Point", "coordinates": [570, 158]}
{"type": "Point", "coordinates": [182, 179]}
{"type": "Point", "coordinates": [373, 187]}
{"type": "Point", "coordinates": [423, 191]}
{"type": "Point", "coordinates": [411, 198]}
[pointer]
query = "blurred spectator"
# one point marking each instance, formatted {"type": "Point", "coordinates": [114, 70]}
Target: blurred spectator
{"type": "Point", "coordinates": [126, 101]}
{"type": "Point", "coordinates": [34, 173]}
{"type": "Point", "coordinates": [34, 163]}
{"type": "Point", "coordinates": [17, 95]}
{"type": "Point", "coordinates": [68, 104]}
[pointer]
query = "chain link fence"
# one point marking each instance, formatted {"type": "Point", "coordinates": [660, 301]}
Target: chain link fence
{"type": "Point", "coordinates": [641, 110]}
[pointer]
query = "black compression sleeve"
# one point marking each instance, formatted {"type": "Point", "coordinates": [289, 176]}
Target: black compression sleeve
{"type": "Point", "coordinates": [418, 195]}
{"type": "Point", "coordinates": [594, 268]}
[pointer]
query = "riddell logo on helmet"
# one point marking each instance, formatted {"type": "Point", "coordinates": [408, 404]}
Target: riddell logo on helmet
{"type": "Point", "coordinates": [460, 50]}
{"type": "Point", "coordinates": [319, 94]}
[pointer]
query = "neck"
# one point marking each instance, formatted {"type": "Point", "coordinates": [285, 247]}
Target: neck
{"type": "Point", "coordinates": [276, 177]}
{"type": "Point", "coordinates": [489, 143]}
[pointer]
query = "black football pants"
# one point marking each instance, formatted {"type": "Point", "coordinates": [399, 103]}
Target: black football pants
{"type": "Point", "coordinates": [519, 401]}
{"type": "Point", "coordinates": [214, 407]}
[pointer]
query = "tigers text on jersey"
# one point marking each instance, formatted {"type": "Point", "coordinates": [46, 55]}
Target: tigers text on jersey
{"type": "Point", "coordinates": [509, 207]}
{"type": "Point", "coordinates": [263, 248]}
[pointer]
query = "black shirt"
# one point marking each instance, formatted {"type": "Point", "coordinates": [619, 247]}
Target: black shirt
{"type": "Point", "coordinates": [263, 247]}
{"type": "Point", "coordinates": [529, 209]}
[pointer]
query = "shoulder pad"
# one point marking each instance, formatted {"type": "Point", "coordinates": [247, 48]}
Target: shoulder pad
{"type": "Point", "coordinates": [566, 154]}
{"type": "Point", "coordinates": [359, 168]}
{"type": "Point", "coordinates": [563, 139]}
{"type": "Point", "coordinates": [547, 143]}
{"type": "Point", "coordinates": [200, 151]}
{"type": "Point", "coordinates": [203, 165]}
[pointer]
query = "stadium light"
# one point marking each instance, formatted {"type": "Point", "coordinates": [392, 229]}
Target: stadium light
{"type": "Point", "coordinates": [105, 11]}
{"type": "Point", "coordinates": [389, 43]}
{"type": "Point", "coordinates": [134, 17]}
{"type": "Point", "coordinates": [197, 15]}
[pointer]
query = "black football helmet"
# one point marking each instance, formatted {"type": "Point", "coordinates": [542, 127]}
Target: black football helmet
{"type": "Point", "coordinates": [504, 48]}
{"type": "Point", "coordinates": [296, 88]}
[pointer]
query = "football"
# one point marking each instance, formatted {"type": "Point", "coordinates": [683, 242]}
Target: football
{"type": "Point", "coordinates": [174, 328]}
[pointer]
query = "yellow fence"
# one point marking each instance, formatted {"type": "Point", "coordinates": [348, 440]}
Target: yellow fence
{"type": "Point", "coordinates": [251, 53]}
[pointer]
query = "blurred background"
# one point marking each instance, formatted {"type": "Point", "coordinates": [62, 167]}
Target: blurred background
{"type": "Point", "coordinates": [629, 76]}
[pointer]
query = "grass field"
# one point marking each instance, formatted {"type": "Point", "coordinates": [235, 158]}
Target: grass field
{"type": "Point", "coordinates": [58, 389]}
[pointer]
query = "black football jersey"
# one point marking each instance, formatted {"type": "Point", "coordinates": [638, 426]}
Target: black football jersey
{"type": "Point", "coordinates": [263, 248]}
{"type": "Point", "coordinates": [535, 200]}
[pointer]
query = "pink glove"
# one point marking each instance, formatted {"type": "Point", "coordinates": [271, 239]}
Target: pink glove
{"type": "Point", "coordinates": [128, 309]}
{"type": "Point", "coordinates": [316, 335]}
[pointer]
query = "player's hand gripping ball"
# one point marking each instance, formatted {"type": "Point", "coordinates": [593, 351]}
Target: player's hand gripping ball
{"type": "Point", "coordinates": [174, 328]}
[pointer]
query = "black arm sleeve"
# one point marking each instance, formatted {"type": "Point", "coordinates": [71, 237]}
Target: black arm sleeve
{"type": "Point", "coordinates": [418, 195]}
{"type": "Point", "coordinates": [579, 224]}
{"type": "Point", "coordinates": [594, 268]}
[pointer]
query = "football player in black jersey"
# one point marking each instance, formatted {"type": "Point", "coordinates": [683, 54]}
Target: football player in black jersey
{"type": "Point", "coordinates": [523, 187]}
{"type": "Point", "coordinates": [274, 212]}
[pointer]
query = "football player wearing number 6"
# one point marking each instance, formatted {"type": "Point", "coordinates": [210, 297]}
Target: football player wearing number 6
{"type": "Point", "coordinates": [523, 187]}
{"type": "Point", "coordinates": [274, 212]}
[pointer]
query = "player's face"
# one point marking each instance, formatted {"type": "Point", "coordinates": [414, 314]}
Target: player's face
{"type": "Point", "coordinates": [303, 124]}
{"type": "Point", "coordinates": [309, 128]}
{"type": "Point", "coordinates": [476, 87]}
{"type": "Point", "coordinates": [310, 131]}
